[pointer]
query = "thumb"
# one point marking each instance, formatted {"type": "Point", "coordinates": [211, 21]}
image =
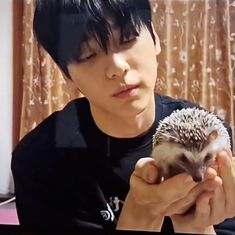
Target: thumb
{"type": "Point", "coordinates": [146, 170]}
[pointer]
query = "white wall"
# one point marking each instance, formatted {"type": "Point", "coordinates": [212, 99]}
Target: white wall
{"type": "Point", "coordinates": [6, 93]}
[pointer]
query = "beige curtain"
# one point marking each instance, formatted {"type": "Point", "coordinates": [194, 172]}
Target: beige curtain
{"type": "Point", "coordinates": [44, 88]}
{"type": "Point", "coordinates": [198, 52]}
{"type": "Point", "coordinates": [196, 62]}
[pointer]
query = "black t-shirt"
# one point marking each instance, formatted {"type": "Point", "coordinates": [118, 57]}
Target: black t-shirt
{"type": "Point", "coordinates": [69, 174]}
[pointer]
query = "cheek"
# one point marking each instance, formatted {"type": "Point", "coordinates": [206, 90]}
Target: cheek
{"type": "Point", "coordinates": [86, 79]}
{"type": "Point", "coordinates": [145, 60]}
{"type": "Point", "coordinates": [87, 86]}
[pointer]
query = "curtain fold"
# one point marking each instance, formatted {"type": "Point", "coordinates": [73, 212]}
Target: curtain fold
{"type": "Point", "coordinates": [196, 62]}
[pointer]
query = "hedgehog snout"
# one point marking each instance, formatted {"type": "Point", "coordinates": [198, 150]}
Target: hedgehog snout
{"type": "Point", "coordinates": [198, 174]}
{"type": "Point", "coordinates": [197, 177]}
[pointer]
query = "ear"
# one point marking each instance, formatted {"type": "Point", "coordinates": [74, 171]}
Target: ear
{"type": "Point", "coordinates": [157, 41]}
{"type": "Point", "coordinates": [212, 136]}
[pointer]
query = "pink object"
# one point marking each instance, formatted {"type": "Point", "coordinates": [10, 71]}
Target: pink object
{"type": "Point", "coordinates": [9, 216]}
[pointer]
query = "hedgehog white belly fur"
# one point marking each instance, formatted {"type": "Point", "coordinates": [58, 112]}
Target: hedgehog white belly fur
{"type": "Point", "coordinates": [187, 141]}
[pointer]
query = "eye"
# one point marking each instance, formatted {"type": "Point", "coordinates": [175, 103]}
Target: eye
{"type": "Point", "coordinates": [207, 157]}
{"type": "Point", "coordinates": [129, 39]}
{"type": "Point", "coordinates": [183, 158]}
{"type": "Point", "coordinates": [87, 58]}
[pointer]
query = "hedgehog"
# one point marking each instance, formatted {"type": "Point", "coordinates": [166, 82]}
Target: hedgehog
{"type": "Point", "coordinates": [187, 141]}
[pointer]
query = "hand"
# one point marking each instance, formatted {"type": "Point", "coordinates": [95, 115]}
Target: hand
{"type": "Point", "coordinates": [225, 194]}
{"type": "Point", "coordinates": [210, 183]}
{"type": "Point", "coordinates": [147, 203]}
{"type": "Point", "coordinates": [212, 207]}
{"type": "Point", "coordinates": [134, 215]}
{"type": "Point", "coordinates": [174, 195]}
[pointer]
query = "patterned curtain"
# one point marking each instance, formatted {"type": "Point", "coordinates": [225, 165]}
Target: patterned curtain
{"type": "Point", "coordinates": [198, 52]}
{"type": "Point", "coordinates": [196, 63]}
{"type": "Point", "coordinates": [44, 88]}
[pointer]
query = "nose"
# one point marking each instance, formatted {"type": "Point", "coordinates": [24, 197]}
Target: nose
{"type": "Point", "coordinates": [198, 175]}
{"type": "Point", "coordinates": [117, 66]}
{"type": "Point", "coordinates": [197, 178]}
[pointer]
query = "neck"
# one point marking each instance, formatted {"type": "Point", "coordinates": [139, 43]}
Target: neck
{"type": "Point", "coordinates": [129, 126]}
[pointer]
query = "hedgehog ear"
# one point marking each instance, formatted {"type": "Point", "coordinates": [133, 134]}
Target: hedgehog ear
{"type": "Point", "coordinates": [212, 136]}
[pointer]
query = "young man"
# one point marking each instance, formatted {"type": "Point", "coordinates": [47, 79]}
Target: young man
{"type": "Point", "coordinates": [73, 170]}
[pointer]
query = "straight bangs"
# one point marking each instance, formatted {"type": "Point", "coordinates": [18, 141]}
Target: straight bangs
{"type": "Point", "coordinates": [63, 26]}
{"type": "Point", "coordinates": [101, 17]}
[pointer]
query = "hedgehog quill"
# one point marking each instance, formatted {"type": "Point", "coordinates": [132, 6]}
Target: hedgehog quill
{"type": "Point", "coordinates": [187, 141]}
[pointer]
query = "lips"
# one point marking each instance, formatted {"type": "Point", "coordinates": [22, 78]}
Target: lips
{"type": "Point", "coordinates": [128, 91]}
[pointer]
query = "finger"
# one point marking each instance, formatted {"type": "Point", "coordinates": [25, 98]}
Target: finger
{"type": "Point", "coordinates": [203, 209]}
{"type": "Point", "coordinates": [207, 185]}
{"type": "Point", "coordinates": [226, 167]}
{"type": "Point", "coordinates": [197, 220]}
{"type": "Point", "coordinates": [203, 206]}
{"type": "Point", "coordinates": [228, 150]}
{"type": "Point", "coordinates": [217, 203]}
{"type": "Point", "coordinates": [201, 215]}
{"type": "Point", "coordinates": [210, 173]}
{"type": "Point", "coordinates": [142, 181]}
{"type": "Point", "coordinates": [161, 194]}
{"type": "Point", "coordinates": [178, 186]}
{"type": "Point", "coordinates": [174, 196]}
{"type": "Point", "coordinates": [182, 205]}
{"type": "Point", "coordinates": [142, 191]}
{"type": "Point", "coordinates": [146, 169]}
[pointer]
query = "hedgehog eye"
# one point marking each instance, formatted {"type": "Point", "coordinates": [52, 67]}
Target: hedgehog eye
{"type": "Point", "coordinates": [183, 158]}
{"type": "Point", "coordinates": [207, 157]}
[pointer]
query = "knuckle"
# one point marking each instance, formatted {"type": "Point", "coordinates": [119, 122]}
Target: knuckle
{"type": "Point", "coordinates": [139, 164]}
{"type": "Point", "coordinates": [142, 163]}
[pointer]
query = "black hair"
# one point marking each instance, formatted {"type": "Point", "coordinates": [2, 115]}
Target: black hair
{"type": "Point", "coordinates": [61, 26]}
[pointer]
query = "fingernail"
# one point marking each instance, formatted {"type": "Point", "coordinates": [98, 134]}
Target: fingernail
{"type": "Point", "coordinates": [149, 177]}
{"type": "Point", "coordinates": [225, 160]}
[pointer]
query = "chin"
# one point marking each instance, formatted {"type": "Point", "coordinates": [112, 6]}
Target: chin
{"type": "Point", "coordinates": [138, 106]}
